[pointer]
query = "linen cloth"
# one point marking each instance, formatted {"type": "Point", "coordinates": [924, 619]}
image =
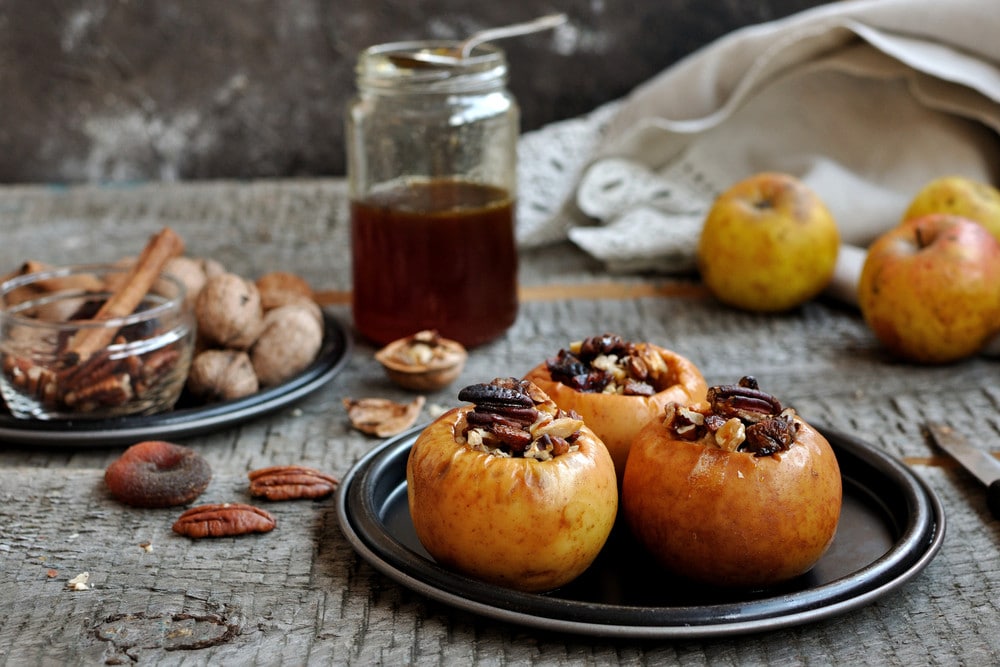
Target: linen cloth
{"type": "Point", "coordinates": [866, 101]}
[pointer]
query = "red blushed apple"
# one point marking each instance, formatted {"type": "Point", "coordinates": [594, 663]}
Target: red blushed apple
{"type": "Point", "coordinates": [741, 493]}
{"type": "Point", "coordinates": [930, 288]}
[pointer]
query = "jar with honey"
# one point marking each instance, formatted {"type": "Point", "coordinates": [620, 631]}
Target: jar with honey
{"type": "Point", "coordinates": [431, 157]}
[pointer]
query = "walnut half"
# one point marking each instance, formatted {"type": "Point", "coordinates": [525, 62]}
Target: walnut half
{"type": "Point", "coordinates": [423, 362]}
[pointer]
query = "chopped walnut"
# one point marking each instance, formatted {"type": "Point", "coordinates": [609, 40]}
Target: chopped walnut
{"type": "Point", "coordinates": [608, 364]}
{"type": "Point", "coordinates": [79, 582]}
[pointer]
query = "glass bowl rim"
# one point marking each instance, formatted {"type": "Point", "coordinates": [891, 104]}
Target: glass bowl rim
{"type": "Point", "coordinates": [176, 303]}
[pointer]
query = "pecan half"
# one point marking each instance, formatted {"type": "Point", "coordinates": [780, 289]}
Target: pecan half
{"type": "Point", "coordinates": [223, 520]}
{"type": "Point", "coordinates": [514, 417]}
{"type": "Point", "coordinates": [290, 483]}
{"type": "Point", "coordinates": [744, 401]}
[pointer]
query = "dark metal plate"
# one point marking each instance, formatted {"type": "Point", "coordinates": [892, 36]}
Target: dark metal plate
{"type": "Point", "coordinates": [892, 525]}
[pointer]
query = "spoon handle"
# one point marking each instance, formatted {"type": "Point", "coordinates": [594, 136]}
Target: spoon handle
{"type": "Point", "coordinates": [542, 23]}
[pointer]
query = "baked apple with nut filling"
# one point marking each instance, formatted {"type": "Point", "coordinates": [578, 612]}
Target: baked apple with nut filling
{"type": "Point", "coordinates": [511, 490]}
{"type": "Point", "coordinates": [736, 492]}
{"type": "Point", "coordinates": [618, 386]}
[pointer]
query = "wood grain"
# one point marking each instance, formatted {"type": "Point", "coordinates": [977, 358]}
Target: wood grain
{"type": "Point", "coordinates": [301, 595]}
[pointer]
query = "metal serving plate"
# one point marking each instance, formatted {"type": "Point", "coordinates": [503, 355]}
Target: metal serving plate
{"type": "Point", "coordinates": [188, 418]}
{"type": "Point", "coordinates": [892, 525]}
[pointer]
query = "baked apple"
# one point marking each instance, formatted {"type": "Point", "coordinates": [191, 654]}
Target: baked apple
{"type": "Point", "coordinates": [511, 490]}
{"type": "Point", "coordinates": [618, 386]}
{"type": "Point", "coordinates": [737, 492]}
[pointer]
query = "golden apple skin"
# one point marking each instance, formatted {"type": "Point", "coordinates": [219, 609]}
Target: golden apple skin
{"type": "Point", "coordinates": [769, 244]}
{"type": "Point", "coordinates": [515, 522]}
{"type": "Point", "coordinates": [930, 288]}
{"type": "Point", "coordinates": [732, 519]}
{"type": "Point", "coordinates": [961, 196]}
{"type": "Point", "coordinates": [616, 418]}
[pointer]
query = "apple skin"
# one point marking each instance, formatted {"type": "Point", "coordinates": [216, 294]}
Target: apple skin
{"type": "Point", "coordinates": [732, 519]}
{"type": "Point", "coordinates": [616, 418]}
{"type": "Point", "coordinates": [520, 523]}
{"type": "Point", "coordinates": [930, 288]}
{"type": "Point", "coordinates": [960, 196]}
{"type": "Point", "coordinates": [769, 244]}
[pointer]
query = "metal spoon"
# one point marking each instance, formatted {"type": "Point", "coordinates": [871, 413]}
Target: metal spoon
{"type": "Point", "coordinates": [442, 58]}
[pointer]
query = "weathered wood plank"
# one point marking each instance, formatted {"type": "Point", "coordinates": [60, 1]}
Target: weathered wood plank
{"type": "Point", "coordinates": [300, 594]}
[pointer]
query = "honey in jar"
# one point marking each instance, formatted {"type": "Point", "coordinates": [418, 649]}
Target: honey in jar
{"type": "Point", "coordinates": [437, 254]}
{"type": "Point", "coordinates": [431, 157]}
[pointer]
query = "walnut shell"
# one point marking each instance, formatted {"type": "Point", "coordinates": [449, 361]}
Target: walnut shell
{"type": "Point", "coordinates": [229, 312]}
{"type": "Point", "coordinates": [289, 340]}
{"type": "Point", "coordinates": [222, 375]}
{"type": "Point", "coordinates": [423, 361]}
{"type": "Point", "coordinates": [280, 288]}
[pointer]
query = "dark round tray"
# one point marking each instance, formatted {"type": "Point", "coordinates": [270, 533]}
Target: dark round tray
{"type": "Point", "coordinates": [188, 417]}
{"type": "Point", "coordinates": [892, 525]}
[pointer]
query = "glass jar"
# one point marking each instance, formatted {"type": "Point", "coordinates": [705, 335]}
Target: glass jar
{"type": "Point", "coordinates": [431, 158]}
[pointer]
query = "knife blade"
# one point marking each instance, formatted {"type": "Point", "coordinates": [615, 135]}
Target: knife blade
{"type": "Point", "coordinates": [981, 464]}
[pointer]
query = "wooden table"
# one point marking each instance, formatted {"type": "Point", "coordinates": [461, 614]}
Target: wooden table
{"type": "Point", "coordinates": [301, 594]}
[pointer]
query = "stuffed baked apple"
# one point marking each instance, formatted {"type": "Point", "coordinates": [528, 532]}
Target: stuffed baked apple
{"type": "Point", "coordinates": [511, 490]}
{"type": "Point", "coordinates": [738, 492]}
{"type": "Point", "coordinates": [618, 386]}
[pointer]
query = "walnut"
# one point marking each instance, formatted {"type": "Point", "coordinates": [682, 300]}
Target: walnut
{"type": "Point", "coordinates": [221, 375]}
{"type": "Point", "coordinates": [193, 272]}
{"type": "Point", "coordinates": [423, 362]}
{"type": "Point", "coordinates": [229, 312]}
{"type": "Point", "coordinates": [289, 341]}
{"type": "Point", "coordinates": [280, 288]}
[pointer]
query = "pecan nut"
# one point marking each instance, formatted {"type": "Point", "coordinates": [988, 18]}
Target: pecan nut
{"type": "Point", "coordinates": [744, 401]}
{"type": "Point", "coordinates": [290, 483]}
{"type": "Point", "coordinates": [223, 520]}
{"type": "Point", "coordinates": [512, 417]}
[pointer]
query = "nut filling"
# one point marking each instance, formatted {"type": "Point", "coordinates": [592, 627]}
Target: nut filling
{"type": "Point", "coordinates": [514, 418]}
{"type": "Point", "coordinates": [740, 418]}
{"type": "Point", "coordinates": [610, 365]}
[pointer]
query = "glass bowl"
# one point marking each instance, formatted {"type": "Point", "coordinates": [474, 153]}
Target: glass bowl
{"type": "Point", "coordinates": [138, 366]}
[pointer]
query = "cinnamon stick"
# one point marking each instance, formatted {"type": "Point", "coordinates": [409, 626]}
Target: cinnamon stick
{"type": "Point", "coordinates": [160, 249]}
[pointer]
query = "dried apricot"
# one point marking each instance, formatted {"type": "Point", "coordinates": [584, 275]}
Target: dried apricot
{"type": "Point", "coordinates": [158, 474]}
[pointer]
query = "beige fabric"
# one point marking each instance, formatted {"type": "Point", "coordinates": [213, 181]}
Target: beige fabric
{"type": "Point", "coordinates": [866, 101]}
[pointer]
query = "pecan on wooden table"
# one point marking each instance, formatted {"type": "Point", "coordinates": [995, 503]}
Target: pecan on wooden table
{"type": "Point", "coordinates": [224, 520]}
{"type": "Point", "coordinates": [293, 482]}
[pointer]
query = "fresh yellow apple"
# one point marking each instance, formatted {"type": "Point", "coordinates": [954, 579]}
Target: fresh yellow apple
{"type": "Point", "coordinates": [739, 493]}
{"type": "Point", "coordinates": [512, 490]}
{"type": "Point", "coordinates": [962, 196]}
{"type": "Point", "coordinates": [769, 244]}
{"type": "Point", "coordinates": [930, 288]}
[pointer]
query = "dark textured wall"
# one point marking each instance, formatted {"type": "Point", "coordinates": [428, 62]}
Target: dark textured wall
{"type": "Point", "coordinates": [118, 90]}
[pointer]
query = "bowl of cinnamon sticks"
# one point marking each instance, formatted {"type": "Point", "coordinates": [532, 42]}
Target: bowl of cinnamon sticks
{"type": "Point", "coordinates": [96, 341]}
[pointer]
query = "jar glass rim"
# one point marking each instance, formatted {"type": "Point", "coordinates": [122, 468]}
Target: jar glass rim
{"type": "Point", "coordinates": [387, 67]}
